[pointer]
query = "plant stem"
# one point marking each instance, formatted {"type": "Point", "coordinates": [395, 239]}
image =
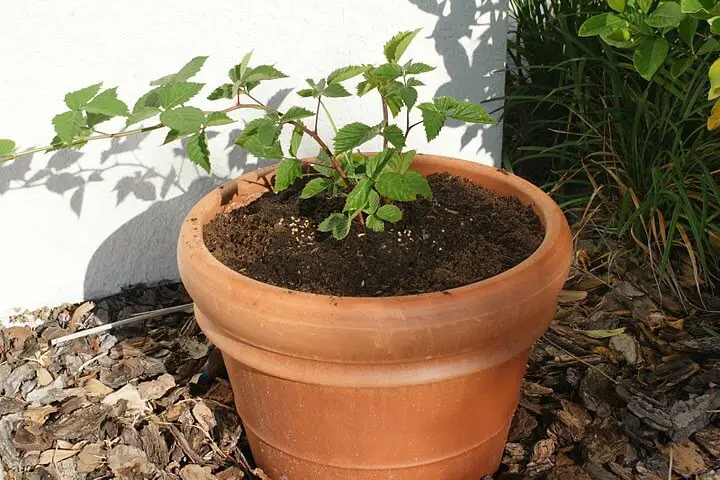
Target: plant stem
{"type": "Point", "coordinates": [317, 113]}
{"type": "Point", "coordinates": [410, 127]}
{"type": "Point", "coordinates": [385, 120]}
{"type": "Point", "coordinates": [327, 112]}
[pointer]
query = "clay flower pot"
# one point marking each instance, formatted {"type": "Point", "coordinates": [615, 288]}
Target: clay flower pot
{"type": "Point", "coordinates": [411, 387]}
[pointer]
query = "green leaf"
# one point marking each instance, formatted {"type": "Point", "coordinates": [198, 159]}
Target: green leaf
{"type": "Point", "coordinates": [395, 186]}
{"type": "Point", "coordinates": [183, 119]}
{"type": "Point", "coordinates": [141, 113]}
{"type": "Point", "coordinates": [353, 135]}
{"type": "Point", "coordinates": [687, 29]}
{"type": "Point", "coordinates": [709, 46]}
{"type": "Point", "coordinates": [701, 7]}
{"type": "Point", "coordinates": [175, 94]}
{"type": "Point", "coordinates": [620, 38]}
{"type": "Point", "coordinates": [387, 71]}
{"type": "Point", "coordinates": [667, 14]}
{"type": "Point", "coordinates": [397, 45]}
{"type": "Point", "coordinates": [107, 103]}
{"type": "Point", "coordinates": [296, 140]}
{"type": "Point", "coordinates": [365, 87]}
{"type": "Point", "coordinates": [215, 119]}
{"type": "Point", "coordinates": [714, 23]}
{"type": "Point", "coordinates": [357, 199]}
{"type": "Point", "coordinates": [189, 70]}
{"type": "Point", "coordinates": [470, 112]}
{"type": "Point", "coordinates": [374, 224]}
{"type": "Point", "coordinates": [315, 186]}
{"type": "Point", "coordinates": [417, 68]}
{"type": "Point", "coordinates": [445, 104]}
{"type": "Point", "coordinates": [335, 91]}
{"type": "Point", "coordinates": [260, 138]}
{"type": "Point", "coordinates": [402, 161]}
{"type": "Point", "coordinates": [296, 113]}
{"type": "Point", "coordinates": [601, 24]}
{"type": "Point", "coordinates": [418, 183]}
{"type": "Point", "coordinates": [433, 119]}
{"type": "Point", "coordinates": [408, 95]}
{"type": "Point", "coordinates": [649, 56]}
{"type": "Point", "coordinates": [6, 147]}
{"type": "Point", "coordinates": [78, 99]}
{"type": "Point", "coordinates": [223, 91]}
{"type": "Point", "coordinates": [617, 5]}
{"type": "Point", "coordinates": [242, 68]}
{"type": "Point", "coordinates": [394, 135]}
{"type": "Point", "coordinates": [94, 119]}
{"type": "Point", "coordinates": [680, 66]}
{"type": "Point", "coordinates": [714, 77]}
{"type": "Point", "coordinates": [390, 213]}
{"type": "Point", "coordinates": [263, 72]}
{"type": "Point", "coordinates": [197, 150]}
{"type": "Point", "coordinates": [67, 125]}
{"type": "Point", "coordinates": [288, 170]}
{"type": "Point", "coordinates": [345, 73]}
{"type": "Point", "coordinates": [174, 135]}
{"type": "Point", "coordinates": [376, 163]}
{"type": "Point", "coordinates": [373, 202]}
{"type": "Point", "coordinates": [414, 82]}
{"type": "Point", "coordinates": [307, 92]}
{"type": "Point", "coordinates": [338, 223]}
{"type": "Point", "coordinates": [644, 5]}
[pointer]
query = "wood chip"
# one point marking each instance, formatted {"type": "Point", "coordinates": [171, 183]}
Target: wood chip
{"type": "Point", "coordinates": [94, 388]}
{"type": "Point", "coordinates": [196, 472]}
{"type": "Point", "coordinates": [129, 394]}
{"type": "Point", "coordinates": [155, 389]}
{"type": "Point", "coordinates": [56, 455]}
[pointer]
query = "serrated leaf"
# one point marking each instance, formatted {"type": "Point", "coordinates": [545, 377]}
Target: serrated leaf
{"type": "Point", "coordinates": [296, 140]}
{"type": "Point", "coordinates": [315, 186]}
{"type": "Point", "coordinates": [374, 224]}
{"type": "Point", "coordinates": [649, 56]}
{"type": "Point", "coordinates": [357, 199]}
{"type": "Point", "coordinates": [414, 82]}
{"type": "Point", "coordinates": [353, 135]}
{"type": "Point", "coordinates": [395, 186]}
{"type": "Point", "coordinates": [394, 135]}
{"type": "Point", "coordinates": [365, 86]}
{"type": "Point", "coordinates": [373, 202]}
{"type": "Point", "coordinates": [470, 112]}
{"type": "Point", "coordinates": [6, 147]}
{"type": "Point", "coordinates": [397, 45]}
{"type": "Point", "coordinates": [376, 163]}
{"type": "Point", "coordinates": [107, 103]}
{"type": "Point", "coordinates": [141, 113]}
{"type": "Point", "coordinates": [174, 135]}
{"type": "Point", "coordinates": [417, 68]}
{"type": "Point", "coordinates": [345, 73]}
{"type": "Point", "coordinates": [67, 125]}
{"type": "Point", "coordinates": [215, 119]}
{"type": "Point", "coordinates": [418, 183]}
{"type": "Point", "coordinates": [667, 14]}
{"type": "Point", "coordinates": [260, 137]}
{"type": "Point", "coordinates": [178, 93]}
{"type": "Point", "coordinates": [617, 5]}
{"type": "Point", "coordinates": [78, 99]}
{"type": "Point", "coordinates": [335, 91]}
{"type": "Point", "coordinates": [197, 150]}
{"type": "Point", "coordinates": [188, 71]}
{"type": "Point", "coordinates": [183, 119]}
{"type": "Point", "coordinates": [445, 104]}
{"type": "Point", "coordinates": [287, 171]}
{"type": "Point", "coordinates": [296, 113]}
{"type": "Point", "coordinates": [390, 213]}
{"type": "Point", "coordinates": [710, 45]}
{"type": "Point", "coordinates": [408, 95]}
{"type": "Point", "coordinates": [331, 222]}
{"type": "Point", "coordinates": [262, 72]}
{"type": "Point", "coordinates": [244, 63]}
{"type": "Point", "coordinates": [307, 92]}
{"type": "Point", "coordinates": [387, 71]}
{"type": "Point", "coordinates": [601, 24]}
{"type": "Point", "coordinates": [223, 91]}
{"type": "Point", "coordinates": [433, 119]}
{"type": "Point", "coordinates": [401, 161]}
{"type": "Point", "coordinates": [94, 119]}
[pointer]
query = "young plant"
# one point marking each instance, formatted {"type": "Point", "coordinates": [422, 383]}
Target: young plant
{"type": "Point", "coordinates": [369, 184]}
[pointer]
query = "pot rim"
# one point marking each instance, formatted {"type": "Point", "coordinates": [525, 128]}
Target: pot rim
{"type": "Point", "coordinates": [549, 213]}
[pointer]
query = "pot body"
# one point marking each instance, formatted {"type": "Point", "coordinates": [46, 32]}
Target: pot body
{"type": "Point", "coordinates": [419, 386]}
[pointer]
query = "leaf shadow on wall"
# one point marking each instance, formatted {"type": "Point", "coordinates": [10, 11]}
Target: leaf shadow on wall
{"type": "Point", "coordinates": [473, 74]}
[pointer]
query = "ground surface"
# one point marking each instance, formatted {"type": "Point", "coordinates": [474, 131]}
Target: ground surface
{"type": "Point", "coordinates": [622, 383]}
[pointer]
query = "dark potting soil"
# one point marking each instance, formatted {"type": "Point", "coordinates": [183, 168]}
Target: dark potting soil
{"type": "Point", "coordinates": [463, 235]}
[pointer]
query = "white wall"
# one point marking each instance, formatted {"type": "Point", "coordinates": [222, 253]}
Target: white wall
{"type": "Point", "coordinates": [83, 224]}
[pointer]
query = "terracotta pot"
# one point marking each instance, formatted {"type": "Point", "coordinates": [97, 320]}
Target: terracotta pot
{"type": "Point", "coordinates": [412, 387]}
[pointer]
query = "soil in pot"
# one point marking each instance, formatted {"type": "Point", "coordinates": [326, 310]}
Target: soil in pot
{"type": "Point", "coordinates": [465, 234]}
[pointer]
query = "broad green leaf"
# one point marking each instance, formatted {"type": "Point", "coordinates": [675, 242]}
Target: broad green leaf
{"type": "Point", "coordinates": [197, 150]}
{"type": "Point", "coordinates": [107, 103]}
{"type": "Point", "coordinates": [188, 71]}
{"type": "Point", "coordinates": [604, 333]}
{"type": "Point", "coordinates": [387, 71]}
{"type": "Point", "coordinates": [335, 91]}
{"type": "Point", "coordinates": [397, 45]}
{"type": "Point", "coordinates": [418, 183]}
{"type": "Point", "coordinates": [375, 164]}
{"type": "Point", "coordinates": [263, 72]}
{"type": "Point", "coordinates": [644, 5]}
{"type": "Point", "coordinates": [414, 82]}
{"type": "Point", "coordinates": [6, 147]}
{"type": "Point", "coordinates": [374, 223]}
{"type": "Point", "coordinates": [365, 87]}
{"type": "Point", "coordinates": [94, 119]}
{"type": "Point", "coordinates": [244, 64]}
{"type": "Point", "coordinates": [649, 56]}
{"type": "Point", "coordinates": [260, 138]}
{"type": "Point", "coordinates": [288, 170]}
{"type": "Point", "coordinates": [394, 135]}
{"type": "Point", "coordinates": [183, 119]}
{"type": "Point", "coordinates": [307, 92]}
{"type": "Point", "coordinates": [667, 14]}
{"type": "Point", "coordinates": [713, 120]}
{"type": "Point", "coordinates": [223, 91]}
{"type": "Point", "coordinates": [215, 119]}
{"type": "Point", "coordinates": [445, 104]}
{"type": "Point", "coordinates": [353, 135]}
{"type": "Point", "coordinates": [78, 99]}
{"type": "Point", "coordinates": [315, 186]}
{"type": "Point", "coordinates": [150, 99]}
{"type": "Point", "coordinates": [402, 161]}
{"type": "Point", "coordinates": [174, 135]}
{"type": "Point", "coordinates": [617, 5]}
{"type": "Point", "coordinates": [357, 199]}
{"type": "Point", "coordinates": [620, 38]}
{"type": "Point", "coordinates": [408, 95]}
{"type": "Point", "coordinates": [601, 24]}
{"type": "Point", "coordinates": [67, 125]}
{"type": "Point", "coordinates": [701, 7]}
{"type": "Point", "coordinates": [470, 112]}
{"type": "Point", "coordinates": [686, 30]}
{"type": "Point", "coordinates": [714, 23]}
{"type": "Point", "coordinates": [680, 66]}
{"type": "Point", "coordinates": [296, 113]}
{"type": "Point", "coordinates": [178, 93]}
{"type": "Point", "coordinates": [141, 113]}
{"type": "Point", "coordinates": [709, 46]}
{"type": "Point", "coordinates": [433, 119]}
{"type": "Point", "coordinates": [373, 202]}
{"type": "Point", "coordinates": [331, 222]}
{"type": "Point", "coordinates": [395, 186]}
{"type": "Point", "coordinates": [345, 73]}
{"type": "Point", "coordinates": [390, 213]}
{"type": "Point", "coordinates": [417, 68]}
{"type": "Point", "coordinates": [295, 141]}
